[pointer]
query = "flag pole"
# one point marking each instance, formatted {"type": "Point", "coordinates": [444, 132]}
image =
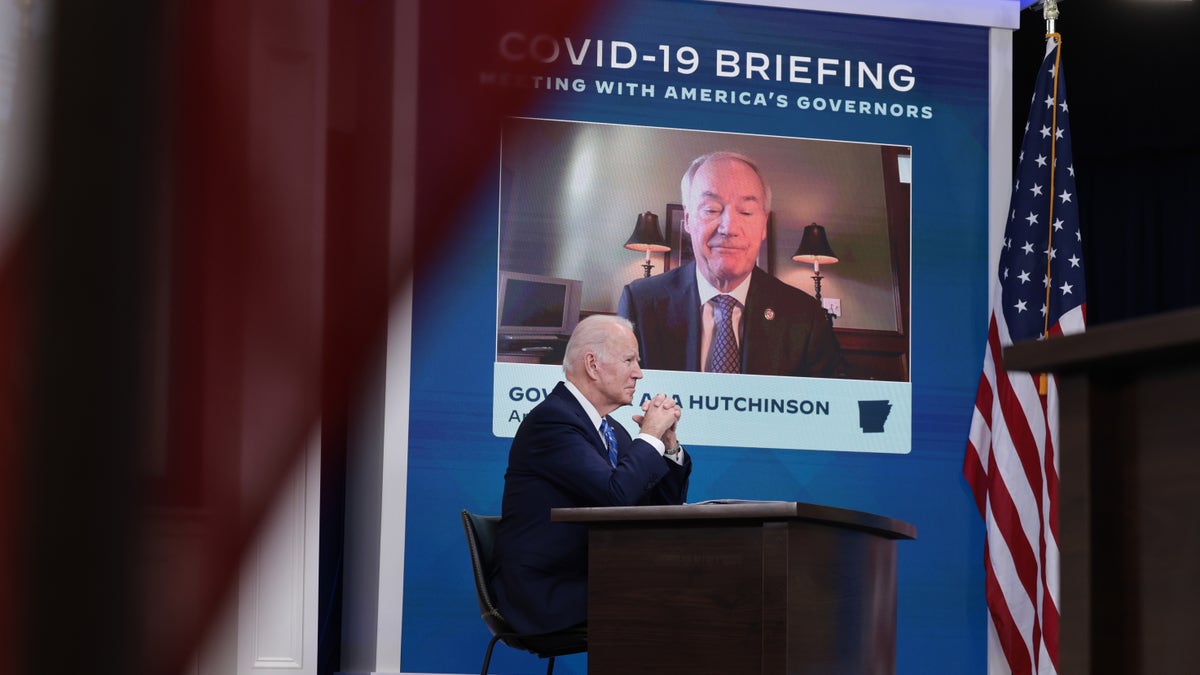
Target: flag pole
{"type": "Point", "coordinates": [1050, 14]}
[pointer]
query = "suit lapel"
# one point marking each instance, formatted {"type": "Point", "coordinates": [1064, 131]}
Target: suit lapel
{"type": "Point", "coordinates": [572, 405]}
{"type": "Point", "coordinates": [683, 318]}
{"type": "Point", "coordinates": [758, 347]}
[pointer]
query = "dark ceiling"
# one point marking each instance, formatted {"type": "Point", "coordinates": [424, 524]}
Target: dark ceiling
{"type": "Point", "coordinates": [1130, 67]}
{"type": "Point", "coordinates": [1132, 80]}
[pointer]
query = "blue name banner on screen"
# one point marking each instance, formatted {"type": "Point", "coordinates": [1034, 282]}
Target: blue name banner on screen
{"type": "Point", "coordinates": [760, 411]}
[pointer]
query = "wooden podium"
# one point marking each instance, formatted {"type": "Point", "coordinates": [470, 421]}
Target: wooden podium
{"type": "Point", "coordinates": [1129, 492]}
{"type": "Point", "coordinates": [741, 587]}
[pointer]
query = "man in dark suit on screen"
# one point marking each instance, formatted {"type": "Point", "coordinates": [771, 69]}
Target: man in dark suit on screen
{"type": "Point", "coordinates": [722, 313]}
{"type": "Point", "coordinates": [568, 452]}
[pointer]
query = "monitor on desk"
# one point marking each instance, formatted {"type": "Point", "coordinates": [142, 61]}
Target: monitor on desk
{"type": "Point", "coordinates": [531, 306]}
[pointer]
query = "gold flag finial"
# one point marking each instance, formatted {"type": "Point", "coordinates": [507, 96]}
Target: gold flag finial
{"type": "Point", "coordinates": [1050, 13]}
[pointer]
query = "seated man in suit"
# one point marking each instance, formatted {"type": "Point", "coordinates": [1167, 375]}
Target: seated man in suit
{"type": "Point", "coordinates": [721, 313]}
{"type": "Point", "coordinates": [567, 453]}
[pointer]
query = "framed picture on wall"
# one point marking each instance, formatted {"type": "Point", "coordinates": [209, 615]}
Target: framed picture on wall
{"type": "Point", "coordinates": [681, 242]}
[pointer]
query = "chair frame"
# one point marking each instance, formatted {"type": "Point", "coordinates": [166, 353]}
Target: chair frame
{"type": "Point", "coordinates": [480, 533]}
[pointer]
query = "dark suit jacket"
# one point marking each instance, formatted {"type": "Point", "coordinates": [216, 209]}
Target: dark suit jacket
{"type": "Point", "coordinates": [557, 459]}
{"type": "Point", "coordinates": [784, 330]}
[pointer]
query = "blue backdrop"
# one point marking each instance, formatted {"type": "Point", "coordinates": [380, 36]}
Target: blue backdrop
{"type": "Point", "coordinates": [456, 462]}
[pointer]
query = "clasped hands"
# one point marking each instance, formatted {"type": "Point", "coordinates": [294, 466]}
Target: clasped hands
{"type": "Point", "coordinates": [659, 418]}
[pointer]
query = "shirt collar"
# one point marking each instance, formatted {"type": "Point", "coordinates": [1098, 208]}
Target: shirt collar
{"type": "Point", "coordinates": [708, 291]}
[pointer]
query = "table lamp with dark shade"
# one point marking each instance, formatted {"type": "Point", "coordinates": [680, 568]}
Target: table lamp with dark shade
{"type": "Point", "coordinates": [814, 248]}
{"type": "Point", "coordinates": [647, 236]}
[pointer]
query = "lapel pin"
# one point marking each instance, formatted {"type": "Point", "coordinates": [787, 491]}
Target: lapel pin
{"type": "Point", "coordinates": [769, 314]}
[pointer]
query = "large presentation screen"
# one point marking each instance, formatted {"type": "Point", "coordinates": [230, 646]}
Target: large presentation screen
{"type": "Point", "coordinates": [872, 136]}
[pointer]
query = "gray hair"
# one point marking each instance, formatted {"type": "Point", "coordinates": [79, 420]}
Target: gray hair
{"type": "Point", "coordinates": [685, 184]}
{"type": "Point", "coordinates": [593, 334]}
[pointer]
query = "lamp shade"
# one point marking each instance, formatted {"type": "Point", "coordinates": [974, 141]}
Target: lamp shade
{"type": "Point", "coordinates": [814, 247]}
{"type": "Point", "coordinates": [647, 236]}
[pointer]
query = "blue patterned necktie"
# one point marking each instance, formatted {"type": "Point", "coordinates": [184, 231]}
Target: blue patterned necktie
{"type": "Point", "coordinates": [610, 439]}
{"type": "Point", "coordinates": [724, 355]}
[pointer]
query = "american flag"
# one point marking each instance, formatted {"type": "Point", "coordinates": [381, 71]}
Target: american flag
{"type": "Point", "coordinates": [1011, 460]}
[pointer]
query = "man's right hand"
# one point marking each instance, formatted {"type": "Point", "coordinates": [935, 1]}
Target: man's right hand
{"type": "Point", "coordinates": [658, 415]}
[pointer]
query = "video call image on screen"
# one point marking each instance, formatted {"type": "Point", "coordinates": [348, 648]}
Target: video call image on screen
{"type": "Point", "coordinates": [571, 193]}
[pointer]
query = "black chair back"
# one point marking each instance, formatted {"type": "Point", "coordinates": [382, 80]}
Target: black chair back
{"type": "Point", "coordinates": [481, 541]}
